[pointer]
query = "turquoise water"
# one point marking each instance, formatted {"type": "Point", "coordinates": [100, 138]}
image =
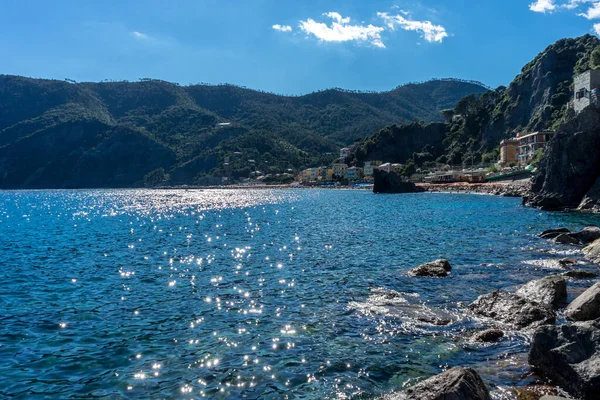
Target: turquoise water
{"type": "Point", "coordinates": [256, 293]}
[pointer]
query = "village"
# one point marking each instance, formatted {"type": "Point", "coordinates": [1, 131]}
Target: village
{"type": "Point", "coordinates": [517, 154]}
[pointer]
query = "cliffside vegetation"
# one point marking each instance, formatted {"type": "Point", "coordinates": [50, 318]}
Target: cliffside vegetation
{"type": "Point", "coordinates": [536, 99]}
{"type": "Point", "coordinates": [122, 134]}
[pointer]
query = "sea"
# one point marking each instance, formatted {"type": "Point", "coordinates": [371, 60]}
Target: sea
{"type": "Point", "coordinates": [260, 294]}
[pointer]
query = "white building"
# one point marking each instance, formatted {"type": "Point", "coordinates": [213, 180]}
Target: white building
{"type": "Point", "coordinates": [345, 153]}
{"type": "Point", "coordinates": [370, 166]}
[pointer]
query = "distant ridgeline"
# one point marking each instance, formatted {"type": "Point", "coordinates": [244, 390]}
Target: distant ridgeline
{"type": "Point", "coordinates": [537, 99]}
{"type": "Point", "coordinates": [63, 134]}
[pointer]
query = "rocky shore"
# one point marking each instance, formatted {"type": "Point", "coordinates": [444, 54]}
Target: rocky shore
{"type": "Point", "coordinates": [564, 355]}
{"type": "Point", "coordinates": [519, 188]}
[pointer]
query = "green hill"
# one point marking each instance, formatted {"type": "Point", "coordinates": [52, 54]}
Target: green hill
{"type": "Point", "coordinates": [113, 134]}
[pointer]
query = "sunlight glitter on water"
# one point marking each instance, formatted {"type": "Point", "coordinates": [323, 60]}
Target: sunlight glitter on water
{"type": "Point", "coordinates": [297, 294]}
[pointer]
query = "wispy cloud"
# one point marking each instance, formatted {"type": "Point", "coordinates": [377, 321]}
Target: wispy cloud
{"type": "Point", "coordinates": [139, 35]}
{"type": "Point", "coordinates": [543, 6]}
{"type": "Point", "coordinates": [282, 28]}
{"type": "Point", "coordinates": [589, 9]}
{"type": "Point", "coordinates": [593, 12]}
{"type": "Point", "coordinates": [341, 30]}
{"type": "Point", "coordinates": [429, 31]}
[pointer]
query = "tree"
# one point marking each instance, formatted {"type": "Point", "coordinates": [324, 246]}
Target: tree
{"type": "Point", "coordinates": [595, 58]}
{"type": "Point", "coordinates": [155, 177]}
{"type": "Point", "coordinates": [409, 169]}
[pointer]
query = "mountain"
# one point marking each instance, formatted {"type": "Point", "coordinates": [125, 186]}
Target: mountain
{"type": "Point", "coordinates": [536, 99]}
{"type": "Point", "coordinates": [62, 134]}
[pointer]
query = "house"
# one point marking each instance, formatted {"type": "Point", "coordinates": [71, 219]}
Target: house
{"type": "Point", "coordinates": [586, 86]}
{"type": "Point", "coordinates": [387, 167]}
{"type": "Point", "coordinates": [352, 174]}
{"type": "Point", "coordinates": [369, 166]}
{"type": "Point", "coordinates": [339, 169]}
{"type": "Point", "coordinates": [508, 151]}
{"type": "Point", "coordinates": [529, 143]}
{"type": "Point", "coordinates": [345, 153]}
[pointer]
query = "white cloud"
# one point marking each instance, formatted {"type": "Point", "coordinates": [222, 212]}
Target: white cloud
{"type": "Point", "coordinates": [543, 6]}
{"type": "Point", "coordinates": [341, 30]}
{"type": "Point", "coordinates": [429, 31]}
{"type": "Point", "coordinates": [597, 29]}
{"type": "Point", "coordinates": [282, 28]}
{"type": "Point", "coordinates": [139, 35]}
{"type": "Point", "coordinates": [593, 12]}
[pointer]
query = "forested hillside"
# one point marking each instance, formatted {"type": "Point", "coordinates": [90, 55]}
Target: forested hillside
{"type": "Point", "coordinates": [123, 134]}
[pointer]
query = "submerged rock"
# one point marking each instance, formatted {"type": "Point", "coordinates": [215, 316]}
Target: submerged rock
{"type": "Point", "coordinates": [490, 335]}
{"type": "Point", "coordinates": [437, 268]}
{"type": "Point", "coordinates": [552, 233]}
{"type": "Point", "coordinates": [580, 274]}
{"type": "Point", "coordinates": [550, 291]}
{"type": "Point", "coordinates": [455, 384]}
{"type": "Point", "coordinates": [565, 238]}
{"type": "Point", "coordinates": [569, 355]}
{"type": "Point", "coordinates": [586, 306]}
{"type": "Point", "coordinates": [512, 310]}
{"type": "Point", "coordinates": [587, 234]}
{"type": "Point", "coordinates": [592, 252]}
{"type": "Point", "coordinates": [565, 262]}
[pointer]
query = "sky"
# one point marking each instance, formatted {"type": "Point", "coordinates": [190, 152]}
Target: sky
{"type": "Point", "coordinates": [284, 46]}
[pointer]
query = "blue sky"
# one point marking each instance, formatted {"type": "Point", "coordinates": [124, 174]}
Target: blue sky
{"type": "Point", "coordinates": [288, 47]}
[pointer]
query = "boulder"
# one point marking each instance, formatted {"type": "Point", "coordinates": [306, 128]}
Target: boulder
{"type": "Point", "coordinates": [548, 397]}
{"type": "Point", "coordinates": [455, 384]}
{"type": "Point", "coordinates": [592, 252]}
{"type": "Point", "coordinates": [587, 234]}
{"type": "Point", "coordinates": [550, 291]}
{"type": "Point", "coordinates": [566, 238]}
{"type": "Point", "coordinates": [552, 233]}
{"type": "Point", "coordinates": [490, 335]}
{"type": "Point", "coordinates": [586, 306]}
{"type": "Point", "coordinates": [569, 355]}
{"type": "Point", "coordinates": [512, 310]}
{"type": "Point", "coordinates": [437, 268]}
{"type": "Point", "coordinates": [580, 274]}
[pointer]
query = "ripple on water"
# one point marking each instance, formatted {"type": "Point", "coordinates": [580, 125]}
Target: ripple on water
{"type": "Point", "coordinates": [255, 293]}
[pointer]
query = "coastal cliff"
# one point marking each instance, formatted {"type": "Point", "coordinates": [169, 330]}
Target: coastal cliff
{"type": "Point", "coordinates": [391, 182]}
{"type": "Point", "coordinates": [568, 174]}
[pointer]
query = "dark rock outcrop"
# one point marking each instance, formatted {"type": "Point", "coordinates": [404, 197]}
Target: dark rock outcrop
{"type": "Point", "coordinates": [437, 268]}
{"type": "Point", "coordinates": [490, 335]}
{"type": "Point", "coordinates": [587, 234]}
{"type": "Point", "coordinates": [455, 384]}
{"type": "Point", "coordinates": [566, 262]}
{"type": "Point", "coordinates": [552, 233]}
{"type": "Point", "coordinates": [586, 306]}
{"type": "Point", "coordinates": [391, 182]}
{"type": "Point", "coordinates": [550, 291]}
{"type": "Point", "coordinates": [512, 310]}
{"type": "Point", "coordinates": [580, 274]}
{"type": "Point", "coordinates": [592, 252]}
{"type": "Point", "coordinates": [571, 164]}
{"type": "Point", "coordinates": [569, 355]}
{"type": "Point", "coordinates": [565, 238]}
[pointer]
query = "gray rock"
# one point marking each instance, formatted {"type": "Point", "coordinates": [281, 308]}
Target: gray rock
{"type": "Point", "coordinates": [566, 238]}
{"type": "Point", "coordinates": [391, 182]}
{"type": "Point", "coordinates": [586, 306]}
{"type": "Point", "coordinates": [552, 233]}
{"type": "Point", "coordinates": [592, 252]}
{"type": "Point", "coordinates": [580, 274]}
{"type": "Point", "coordinates": [512, 310]}
{"type": "Point", "coordinates": [455, 384]}
{"type": "Point", "coordinates": [587, 235]}
{"type": "Point", "coordinates": [490, 335]}
{"type": "Point", "coordinates": [437, 268]}
{"type": "Point", "coordinates": [569, 355]}
{"type": "Point", "coordinates": [550, 291]}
